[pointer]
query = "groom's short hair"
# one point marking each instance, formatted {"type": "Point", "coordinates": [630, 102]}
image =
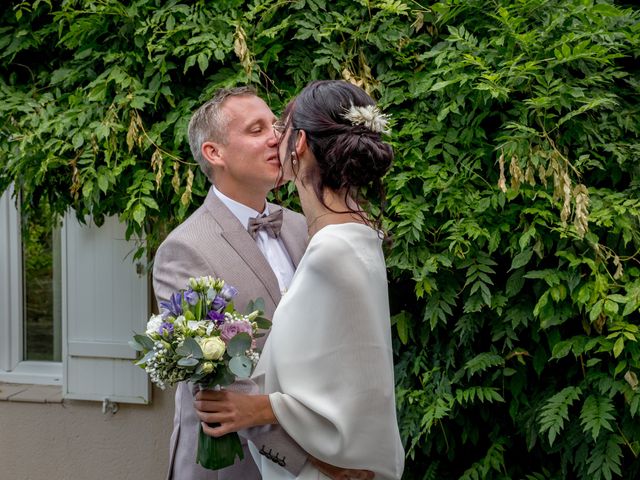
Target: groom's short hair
{"type": "Point", "coordinates": [209, 124]}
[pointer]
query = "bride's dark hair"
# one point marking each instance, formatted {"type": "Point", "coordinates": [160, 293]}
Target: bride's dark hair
{"type": "Point", "coordinates": [349, 157]}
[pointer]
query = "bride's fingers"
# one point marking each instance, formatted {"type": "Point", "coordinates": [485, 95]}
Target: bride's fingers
{"type": "Point", "coordinates": [211, 406]}
{"type": "Point", "coordinates": [212, 417]}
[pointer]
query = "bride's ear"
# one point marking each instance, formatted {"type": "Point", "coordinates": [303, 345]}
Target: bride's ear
{"type": "Point", "coordinates": [301, 143]}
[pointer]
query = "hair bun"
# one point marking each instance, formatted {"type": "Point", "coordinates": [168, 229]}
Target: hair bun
{"type": "Point", "coordinates": [363, 157]}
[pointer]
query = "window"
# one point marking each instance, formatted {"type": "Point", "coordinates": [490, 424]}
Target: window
{"type": "Point", "coordinates": [41, 268]}
{"type": "Point", "coordinates": [70, 297]}
{"type": "Point", "coordinates": [15, 364]}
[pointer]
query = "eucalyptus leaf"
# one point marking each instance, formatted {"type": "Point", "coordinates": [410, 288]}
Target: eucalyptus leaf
{"type": "Point", "coordinates": [144, 360]}
{"type": "Point", "coordinates": [263, 323]}
{"type": "Point", "coordinates": [188, 362]}
{"type": "Point", "coordinates": [253, 305]}
{"type": "Point", "coordinates": [241, 366]}
{"type": "Point", "coordinates": [189, 348]}
{"type": "Point", "coordinates": [239, 344]}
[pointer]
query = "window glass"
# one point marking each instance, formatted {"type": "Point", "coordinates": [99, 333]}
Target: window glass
{"type": "Point", "coordinates": [41, 285]}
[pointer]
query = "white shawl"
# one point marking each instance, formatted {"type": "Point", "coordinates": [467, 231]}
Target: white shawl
{"type": "Point", "coordinates": [328, 363]}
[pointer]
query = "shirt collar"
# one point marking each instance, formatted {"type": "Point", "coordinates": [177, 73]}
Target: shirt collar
{"type": "Point", "coordinates": [239, 210]}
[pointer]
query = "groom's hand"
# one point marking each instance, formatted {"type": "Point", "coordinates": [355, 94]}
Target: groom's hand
{"type": "Point", "coordinates": [231, 411]}
{"type": "Point", "coordinates": [337, 473]}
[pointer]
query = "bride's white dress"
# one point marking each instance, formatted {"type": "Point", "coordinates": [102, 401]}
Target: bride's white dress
{"type": "Point", "coordinates": [328, 363]}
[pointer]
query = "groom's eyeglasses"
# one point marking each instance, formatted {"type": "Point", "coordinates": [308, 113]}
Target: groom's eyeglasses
{"type": "Point", "coordinates": [279, 128]}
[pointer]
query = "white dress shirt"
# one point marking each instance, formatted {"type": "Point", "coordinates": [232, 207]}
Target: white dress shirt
{"type": "Point", "coordinates": [272, 248]}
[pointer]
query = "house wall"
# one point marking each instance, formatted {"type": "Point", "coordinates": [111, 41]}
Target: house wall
{"type": "Point", "coordinates": [74, 440]}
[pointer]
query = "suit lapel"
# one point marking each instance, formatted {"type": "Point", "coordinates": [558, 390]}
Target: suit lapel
{"type": "Point", "coordinates": [245, 246]}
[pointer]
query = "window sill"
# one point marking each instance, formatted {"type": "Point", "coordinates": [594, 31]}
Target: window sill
{"type": "Point", "coordinates": [34, 373]}
{"type": "Point", "coordinates": [17, 392]}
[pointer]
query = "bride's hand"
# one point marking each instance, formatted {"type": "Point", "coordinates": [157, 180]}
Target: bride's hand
{"type": "Point", "coordinates": [231, 411]}
{"type": "Point", "coordinates": [337, 473]}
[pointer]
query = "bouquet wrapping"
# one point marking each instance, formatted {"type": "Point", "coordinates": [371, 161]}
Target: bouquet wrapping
{"type": "Point", "coordinates": [199, 337]}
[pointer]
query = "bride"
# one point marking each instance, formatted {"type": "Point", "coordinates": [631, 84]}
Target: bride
{"type": "Point", "coordinates": [326, 372]}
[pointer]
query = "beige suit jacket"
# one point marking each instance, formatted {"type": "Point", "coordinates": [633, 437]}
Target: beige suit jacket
{"type": "Point", "coordinates": [213, 242]}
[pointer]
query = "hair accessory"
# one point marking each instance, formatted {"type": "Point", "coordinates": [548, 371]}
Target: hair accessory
{"type": "Point", "coordinates": [370, 116]}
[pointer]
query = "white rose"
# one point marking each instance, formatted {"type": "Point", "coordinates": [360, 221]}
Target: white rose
{"type": "Point", "coordinates": [212, 348]}
{"type": "Point", "coordinates": [154, 324]}
{"type": "Point", "coordinates": [207, 368]}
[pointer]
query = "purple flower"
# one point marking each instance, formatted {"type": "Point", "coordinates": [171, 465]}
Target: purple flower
{"type": "Point", "coordinates": [219, 303]}
{"type": "Point", "coordinates": [231, 329]}
{"type": "Point", "coordinates": [173, 306]}
{"type": "Point", "coordinates": [228, 292]}
{"type": "Point", "coordinates": [191, 297]}
{"type": "Point", "coordinates": [166, 329]}
{"type": "Point", "coordinates": [215, 317]}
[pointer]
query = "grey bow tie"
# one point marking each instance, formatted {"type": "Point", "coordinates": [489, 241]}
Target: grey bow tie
{"type": "Point", "coordinates": [271, 224]}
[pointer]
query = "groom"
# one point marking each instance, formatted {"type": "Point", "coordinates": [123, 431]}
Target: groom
{"type": "Point", "coordinates": [232, 139]}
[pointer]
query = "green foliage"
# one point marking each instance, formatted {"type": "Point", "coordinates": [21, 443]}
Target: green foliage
{"type": "Point", "coordinates": [514, 201]}
{"type": "Point", "coordinates": [556, 411]}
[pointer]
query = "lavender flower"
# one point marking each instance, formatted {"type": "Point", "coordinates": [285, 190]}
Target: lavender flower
{"type": "Point", "coordinates": [228, 292]}
{"type": "Point", "coordinates": [173, 306]}
{"type": "Point", "coordinates": [166, 329]}
{"type": "Point", "coordinates": [191, 297]}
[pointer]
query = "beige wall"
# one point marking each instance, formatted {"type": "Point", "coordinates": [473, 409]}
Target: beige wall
{"type": "Point", "coordinates": [74, 440]}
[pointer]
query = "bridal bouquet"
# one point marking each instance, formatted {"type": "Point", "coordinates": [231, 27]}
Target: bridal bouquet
{"type": "Point", "coordinates": [199, 337]}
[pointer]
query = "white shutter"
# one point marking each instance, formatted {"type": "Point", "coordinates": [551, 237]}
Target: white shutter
{"type": "Point", "coordinates": [104, 301]}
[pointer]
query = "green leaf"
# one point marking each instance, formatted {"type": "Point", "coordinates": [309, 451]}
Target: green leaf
{"type": "Point", "coordinates": [556, 411]}
{"type": "Point", "coordinates": [145, 342]}
{"type": "Point", "coordinates": [618, 347]}
{"type": "Point", "coordinates": [263, 323]}
{"type": "Point", "coordinates": [596, 310]}
{"type": "Point", "coordinates": [188, 362]}
{"type": "Point", "coordinates": [239, 344]}
{"type": "Point", "coordinates": [401, 322]}
{"type": "Point", "coordinates": [521, 259]}
{"type": "Point", "coordinates": [561, 349]}
{"type": "Point", "coordinates": [139, 213]}
{"type": "Point", "coordinates": [241, 366]}
{"type": "Point", "coordinates": [596, 414]}
{"type": "Point", "coordinates": [253, 305]}
{"type": "Point", "coordinates": [203, 62]}
{"type": "Point", "coordinates": [605, 459]}
{"type": "Point", "coordinates": [190, 348]}
{"type": "Point", "coordinates": [482, 362]}
{"type": "Point", "coordinates": [143, 361]}
{"type": "Point", "coordinates": [103, 183]}
{"type": "Point", "coordinates": [150, 202]}
{"type": "Point", "coordinates": [78, 140]}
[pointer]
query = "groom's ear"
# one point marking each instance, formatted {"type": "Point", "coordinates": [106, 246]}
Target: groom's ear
{"type": "Point", "coordinates": [212, 152]}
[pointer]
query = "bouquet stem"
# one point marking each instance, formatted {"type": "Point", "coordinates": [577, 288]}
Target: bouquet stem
{"type": "Point", "coordinates": [215, 453]}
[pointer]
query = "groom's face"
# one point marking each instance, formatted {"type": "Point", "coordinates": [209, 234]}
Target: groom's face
{"type": "Point", "coordinates": [249, 156]}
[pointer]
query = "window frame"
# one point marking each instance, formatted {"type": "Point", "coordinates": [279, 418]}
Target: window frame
{"type": "Point", "coordinates": [13, 368]}
{"type": "Point", "coordinates": [97, 365]}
